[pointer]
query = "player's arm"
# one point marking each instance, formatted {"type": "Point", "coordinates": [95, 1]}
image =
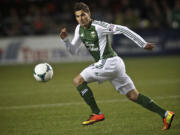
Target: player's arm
{"type": "Point", "coordinates": [72, 46]}
{"type": "Point", "coordinates": [133, 36]}
{"type": "Point", "coordinates": [118, 29]}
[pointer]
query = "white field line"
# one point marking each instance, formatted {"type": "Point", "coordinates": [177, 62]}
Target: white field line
{"type": "Point", "coordinates": [79, 103]}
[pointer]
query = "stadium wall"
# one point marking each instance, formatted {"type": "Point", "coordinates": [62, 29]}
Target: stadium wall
{"type": "Point", "coordinates": [22, 50]}
{"type": "Point", "coordinates": [35, 49]}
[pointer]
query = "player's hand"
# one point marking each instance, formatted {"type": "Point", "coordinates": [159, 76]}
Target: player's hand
{"type": "Point", "coordinates": [63, 33]}
{"type": "Point", "coordinates": [149, 46]}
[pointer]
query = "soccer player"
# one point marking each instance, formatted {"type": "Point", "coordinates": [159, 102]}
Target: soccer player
{"type": "Point", "coordinates": [108, 66]}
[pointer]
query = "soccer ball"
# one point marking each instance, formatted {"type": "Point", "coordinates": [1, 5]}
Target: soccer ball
{"type": "Point", "coordinates": [43, 72]}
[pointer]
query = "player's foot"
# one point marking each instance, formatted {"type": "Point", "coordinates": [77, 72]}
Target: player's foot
{"type": "Point", "coordinates": [93, 118]}
{"type": "Point", "coordinates": [168, 120]}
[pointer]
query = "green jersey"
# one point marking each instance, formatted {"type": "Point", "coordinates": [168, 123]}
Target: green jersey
{"type": "Point", "coordinates": [95, 38]}
{"type": "Point", "coordinates": [92, 42]}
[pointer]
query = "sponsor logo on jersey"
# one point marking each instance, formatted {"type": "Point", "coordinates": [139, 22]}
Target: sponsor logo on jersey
{"type": "Point", "coordinates": [93, 34]}
{"type": "Point", "coordinates": [111, 27]}
{"type": "Point", "coordinates": [82, 35]}
{"type": "Point", "coordinates": [91, 47]}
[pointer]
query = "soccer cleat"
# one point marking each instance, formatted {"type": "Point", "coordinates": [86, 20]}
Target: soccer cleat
{"type": "Point", "coordinates": [168, 120]}
{"type": "Point", "coordinates": [93, 118]}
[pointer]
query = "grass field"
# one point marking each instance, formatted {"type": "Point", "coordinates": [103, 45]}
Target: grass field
{"type": "Point", "coordinates": [28, 107]}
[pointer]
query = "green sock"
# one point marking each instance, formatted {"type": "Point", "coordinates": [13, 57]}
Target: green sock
{"type": "Point", "coordinates": [150, 105]}
{"type": "Point", "coordinates": [88, 97]}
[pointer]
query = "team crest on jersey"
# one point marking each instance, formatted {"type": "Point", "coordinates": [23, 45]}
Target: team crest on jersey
{"type": "Point", "coordinates": [111, 27]}
{"type": "Point", "coordinates": [82, 35]}
{"type": "Point", "coordinates": [93, 34]}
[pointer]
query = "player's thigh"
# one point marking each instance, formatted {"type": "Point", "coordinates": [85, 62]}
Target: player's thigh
{"type": "Point", "coordinates": [92, 74]}
{"type": "Point", "coordinates": [100, 71]}
{"type": "Point", "coordinates": [87, 74]}
{"type": "Point", "coordinates": [123, 84]}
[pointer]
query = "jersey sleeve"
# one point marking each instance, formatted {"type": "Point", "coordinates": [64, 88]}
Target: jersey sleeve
{"type": "Point", "coordinates": [74, 45]}
{"type": "Point", "coordinates": [118, 29]}
{"type": "Point", "coordinates": [109, 29]}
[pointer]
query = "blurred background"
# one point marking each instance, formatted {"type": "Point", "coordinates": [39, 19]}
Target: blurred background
{"type": "Point", "coordinates": [29, 29]}
{"type": "Point", "coordinates": [40, 17]}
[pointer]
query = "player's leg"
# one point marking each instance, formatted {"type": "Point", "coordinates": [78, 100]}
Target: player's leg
{"type": "Point", "coordinates": [149, 104]}
{"type": "Point", "coordinates": [125, 85]}
{"type": "Point", "coordinates": [146, 102]}
{"type": "Point", "coordinates": [98, 72]}
{"type": "Point", "coordinates": [86, 93]}
{"type": "Point", "coordinates": [88, 97]}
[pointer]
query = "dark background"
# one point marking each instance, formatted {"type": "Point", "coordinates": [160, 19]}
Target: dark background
{"type": "Point", "coordinates": [40, 17]}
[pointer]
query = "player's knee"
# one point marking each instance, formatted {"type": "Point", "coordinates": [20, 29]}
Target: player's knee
{"type": "Point", "coordinates": [133, 95]}
{"type": "Point", "coordinates": [78, 80]}
{"type": "Point", "coordinates": [75, 81]}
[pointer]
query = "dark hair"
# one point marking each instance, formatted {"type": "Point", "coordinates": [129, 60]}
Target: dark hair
{"type": "Point", "coordinates": [81, 6]}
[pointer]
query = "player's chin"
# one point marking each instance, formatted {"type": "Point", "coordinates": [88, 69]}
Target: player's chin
{"type": "Point", "coordinates": [82, 24]}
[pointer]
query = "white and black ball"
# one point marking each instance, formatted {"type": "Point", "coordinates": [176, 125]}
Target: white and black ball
{"type": "Point", "coordinates": [43, 72]}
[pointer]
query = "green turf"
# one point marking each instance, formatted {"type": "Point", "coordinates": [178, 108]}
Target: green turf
{"type": "Point", "coordinates": [28, 107]}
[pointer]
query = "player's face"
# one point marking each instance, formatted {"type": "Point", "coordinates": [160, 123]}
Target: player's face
{"type": "Point", "coordinates": [83, 18]}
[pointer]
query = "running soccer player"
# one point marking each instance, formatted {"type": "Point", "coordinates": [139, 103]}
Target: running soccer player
{"type": "Point", "coordinates": [108, 66]}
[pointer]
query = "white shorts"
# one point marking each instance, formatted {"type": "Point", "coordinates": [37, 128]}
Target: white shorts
{"type": "Point", "coordinates": [112, 69]}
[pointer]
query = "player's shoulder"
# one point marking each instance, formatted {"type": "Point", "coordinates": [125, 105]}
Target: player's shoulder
{"type": "Point", "coordinates": [77, 26]}
{"type": "Point", "coordinates": [77, 29]}
{"type": "Point", "coordinates": [100, 23]}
